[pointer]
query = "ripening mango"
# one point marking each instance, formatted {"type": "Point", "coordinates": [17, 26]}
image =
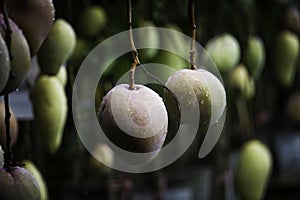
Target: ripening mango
{"type": "Point", "coordinates": [50, 108]}
{"type": "Point", "coordinates": [57, 47]}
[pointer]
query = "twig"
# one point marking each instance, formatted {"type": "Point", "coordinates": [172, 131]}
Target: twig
{"type": "Point", "coordinates": [191, 14]}
{"type": "Point", "coordinates": [136, 61]}
{"type": "Point", "coordinates": [7, 154]}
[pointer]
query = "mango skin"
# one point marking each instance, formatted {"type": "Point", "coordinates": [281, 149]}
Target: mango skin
{"type": "Point", "coordinates": [217, 94]}
{"type": "Point", "coordinates": [254, 56]}
{"type": "Point", "coordinates": [20, 56]}
{"type": "Point", "coordinates": [50, 108]}
{"type": "Point", "coordinates": [91, 21]}
{"type": "Point", "coordinates": [135, 121]}
{"type": "Point", "coordinates": [18, 184]}
{"type": "Point", "coordinates": [138, 107]}
{"type": "Point", "coordinates": [31, 167]}
{"type": "Point", "coordinates": [57, 47]}
{"type": "Point", "coordinates": [253, 170]}
{"type": "Point", "coordinates": [34, 17]}
{"type": "Point", "coordinates": [284, 58]}
{"type": "Point", "coordinates": [5, 63]}
{"type": "Point", "coordinates": [224, 50]}
{"type": "Point", "coordinates": [241, 82]}
{"type": "Point", "coordinates": [192, 87]}
{"type": "Point", "coordinates": [189, 86]}
{"type": "Point", "coordinates": [62, 75]}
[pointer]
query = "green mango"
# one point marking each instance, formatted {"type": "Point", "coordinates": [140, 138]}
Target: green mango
{"type": "Point", "coordinates": [31, 167]}
{"type": "Point", "coordinates": [50, 108]}
{"type": "Point", "coordinates": [5, 63]}
{"type": "Point", "coordinates": [57, 48]}
{"type": "Point", "coordinates": [207, 90]}
{"type": "Point", "coordinates": [253, 170]}
{"type": "Point", "coordinates": [134, 120]}
{"type": "Point", "coordinates": [250, 88]}
{"type": "Point", "coordinates": [34, 17]}
{"type": "Point", "coordinates": [286, 50]}
{"type": "Point", "coordinates": [241, 82]}
{"type": "Point", "coordinates": [194, 88]}
{"type": "Point", "coordinates": [14, 126]}
{"type": "Point", "coordinates": [224, 50]}
{"type": "Point", "coordinates": [1, 157]}
{"type": "Point", "coordinates": [217, 93]}
{"type": "Point", "coordinates": [189, 87]}
{"type": "Point", "coordinates": [254, 56]}
{"type": "Point", "coordinates": [62, 75]}
{"type": "Point", "coordinates": [20, 56]}
{"type": "Point", "coordinates": [18, 183]}
{"type": "Point", "coordinates": [91, 21]}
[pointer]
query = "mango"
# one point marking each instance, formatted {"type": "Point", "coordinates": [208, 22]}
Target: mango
{"type": "Point", "coordinates": [34, 17]}
{"type": "Point", "coordinates": [195, 89]}
{"type": "Point", "coordinates": [57, 47]}
{"type": "Point", "coordinates": [134, 120]}
{"type": "Point", "coordinates": [91, 21]}
{"type": "Point", "coordinates": [254, 56]}
{"type": "Point", "coordinates": [50, 108]}
{"type": "Point", "coordinates": [5, 63]}
{"type": "Point", "coordinates": [18, 183]}
{"type": "Point", "coordinates": [62, 75]}
{"type": "Point", "coordinates": [20, 56]}
{"type": "Point", "coordinates": [241, 82]}
{"type": "Point", "coordinates": [284, 57]}
{"type": "Point", "coordinates": [224, 50]}
{"type": "Point", "coordinates": [31, 167]}
{"type": "Point", "coordinates": [253, 170]}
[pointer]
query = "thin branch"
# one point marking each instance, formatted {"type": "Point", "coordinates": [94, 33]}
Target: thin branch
{"type": "Point", "coordinates": [192, 19]}
{"type": "Point", "coordinates": [7, 154]}
{"type": "Point", "coordinates": [136, 61]}
{"type": "Point", "coordinates": [131, 75]}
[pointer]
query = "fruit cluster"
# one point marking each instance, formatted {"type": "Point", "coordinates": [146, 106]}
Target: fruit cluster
{"type": "Point", "coordinates": [251, 59]}
{"type": "Point", "coordinates": [29, 29]}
